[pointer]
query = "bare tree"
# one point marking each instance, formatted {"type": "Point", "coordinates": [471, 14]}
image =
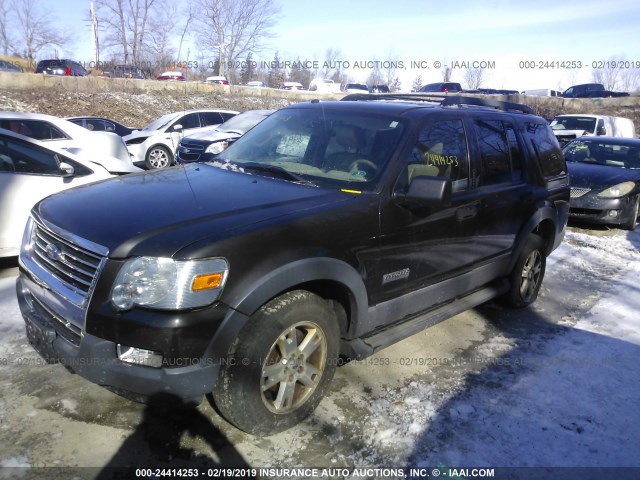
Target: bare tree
{"type": "Point", "coordinates": [36, 28]}
{"type": "Point", "coordinates": [6, 37]}
{"type": "Point", "coordinates": [126, 24]}
{"type": "Point", "coordinates": [474, 77]}
{"type": "Point", "coordinates": [446, 73]}
{"type": "Point", "coordinates": [417, 84]}
{"type": "Point", "coordinates": [610, 75]}
{"type": "Point", "coordinates": [233, 28]}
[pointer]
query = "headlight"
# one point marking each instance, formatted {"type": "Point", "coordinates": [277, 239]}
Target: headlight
{"type": "Point", "coordinates": [216, 147]}
{"type": "Point", "coordinates": [617, 191]}
{"type": "Point", "coordinates": [169, 284]}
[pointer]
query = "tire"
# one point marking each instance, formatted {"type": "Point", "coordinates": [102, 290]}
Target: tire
{"type": "Point", "coordinates": [527, 274]}
{"type": "Point", "coordinates": [271, 382]}
{"type": "Point", "coordinates": [633, 221]}
{"type": "Point", "coordinates": [158, 157]}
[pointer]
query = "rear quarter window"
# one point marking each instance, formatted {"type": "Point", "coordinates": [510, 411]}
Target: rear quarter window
{"type": "Point", "coordinates": [546, 148]}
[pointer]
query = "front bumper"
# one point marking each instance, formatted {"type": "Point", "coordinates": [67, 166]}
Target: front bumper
{"type": "Point", "coordinates": [602, 211]}
{"type": "Point", "coordinates": [96, 359]}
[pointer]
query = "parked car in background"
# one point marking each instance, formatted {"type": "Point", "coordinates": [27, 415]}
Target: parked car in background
{"type": "Point", "coordinates": [101, 124]}
{"type": "Point", "coordinates": [65, 67]}
{"type": "Point", "coordinates": [355, 88]}
{"type": "Point", "coordinates": [126, 71]}
{"type": "Point", "coordinates": [219, 80]}
{"type": "Point", "coordinates": [206, 144]}
{"type": "Point", "coordinates": [543, 92]}
{"type": "Point", "coordinates": [106, 146]}
{"type": "Point", "coordinates": [571, 126]}
{"type": "Point", "coordinates": [291, 86]}
{"type": "Point", "coordinates": [591, 90]}
{"type": "Point", "coordinates": [605, 180]}
{"type": "Point", "coordinates": [379, 89]}
{"type": "Point", "coordinates": [324, 85]}
{"type": "Point", "coordinates": [155, 145]}
{"type": "Point", "coordinates": [30, 171]}
{"type": "Point", "coordinates": [9, 67]}
{"type": "Point", "coordinates": [256, 84]}
{"type": "Point", "coordinates": [443, 87]}
{"type": "Point", "coordinates": [173, 75]}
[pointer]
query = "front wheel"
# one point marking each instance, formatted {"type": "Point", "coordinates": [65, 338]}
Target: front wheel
{"type": "Point", "coordinates": [527, 274]}
{"type": "Point", "coordinates": [633, 219]}
{"type": "Point", "coordinates": [285, 359]}
{"type": "Point", "coordinates": [158, 157]}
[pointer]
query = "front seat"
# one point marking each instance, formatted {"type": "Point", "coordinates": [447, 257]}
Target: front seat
{"type": "Point", "coordinates": [352, 141]}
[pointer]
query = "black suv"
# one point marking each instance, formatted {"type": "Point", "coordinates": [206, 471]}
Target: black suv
{"type": "Point", "coordinates": [331, 229]}
{"type": "Point", "coordinates": [56, 66]}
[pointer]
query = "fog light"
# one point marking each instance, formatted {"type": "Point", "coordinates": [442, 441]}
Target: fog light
{"type": "Point", "coordinates": [613, 213]}
{"type": "Point", "coordinates": [139, 356]}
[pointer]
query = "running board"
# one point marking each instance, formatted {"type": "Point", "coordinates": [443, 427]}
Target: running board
{"type": "Point", "coordinates": [366, 346]}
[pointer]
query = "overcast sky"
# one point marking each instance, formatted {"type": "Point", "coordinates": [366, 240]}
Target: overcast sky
{"type": "Point", "coordinates": [504, 32]}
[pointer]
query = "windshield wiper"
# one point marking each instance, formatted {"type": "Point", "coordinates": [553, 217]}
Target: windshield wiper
{"type": "Point", "coordinates": [276, 170]}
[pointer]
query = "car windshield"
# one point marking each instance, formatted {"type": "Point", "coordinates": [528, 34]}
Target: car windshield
{"type": "Point", "coordinates": [243, 122]}
{"type": "Point", "coordinates": [325, 147]}
{"type": "Point", "coordinates": [613, 155]}
{"type": "Point", "coordinates": [158, 123]}
{"type": "Point", "coordinates": [587, 124]}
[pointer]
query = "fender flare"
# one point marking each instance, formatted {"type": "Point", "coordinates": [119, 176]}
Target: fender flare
{"type": "Point", "coordinates": [282, 279]}
{"type": "Point", "coordinates": [547, 213]}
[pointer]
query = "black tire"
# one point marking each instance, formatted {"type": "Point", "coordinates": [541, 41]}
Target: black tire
{"type": "Point", "coordinates": [527, 274]}
{"type": "Point", "coordinates": [263, 389]}
{"type": "Point", "coordinates": [158, 157]}
{"type": "Point", "coordinates": [633, 221]}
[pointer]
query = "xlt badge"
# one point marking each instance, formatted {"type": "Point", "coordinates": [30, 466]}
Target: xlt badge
{"type": "Point", "coordinates": [393, 276]}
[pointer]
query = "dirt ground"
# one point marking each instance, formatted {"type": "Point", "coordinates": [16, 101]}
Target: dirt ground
{"type": "Point", "coordinates": [132, 109]}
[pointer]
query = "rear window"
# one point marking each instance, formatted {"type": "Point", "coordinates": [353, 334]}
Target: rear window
{"type": "Point", "coordinates": [546, 148]}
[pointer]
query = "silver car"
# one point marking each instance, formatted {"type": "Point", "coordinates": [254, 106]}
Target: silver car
{"type": "Point", "coordinates": [29, 171]}
{"type": "Point", "coordinates": [60, 133]}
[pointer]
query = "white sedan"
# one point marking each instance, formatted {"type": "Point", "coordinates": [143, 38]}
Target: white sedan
{"type": "Point", "coordinates": [60, 133]}
{"type": "Point", "coordinates": [155, 145]}
{"type": "Point", "coordinates": [29, 171]}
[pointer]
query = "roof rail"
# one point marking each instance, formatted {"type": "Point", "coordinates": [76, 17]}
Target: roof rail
{"type": "Point", "coordinates": [486, 102]}
{"type": "Point", "coordinates": [443, 100]}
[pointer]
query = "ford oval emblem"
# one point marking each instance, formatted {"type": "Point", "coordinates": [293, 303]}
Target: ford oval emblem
{"type": "Point", "coordinates": [54, 253]}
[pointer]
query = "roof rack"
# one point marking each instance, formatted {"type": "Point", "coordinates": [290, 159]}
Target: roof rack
{"type": "Point", "coordinates": [443, 100]}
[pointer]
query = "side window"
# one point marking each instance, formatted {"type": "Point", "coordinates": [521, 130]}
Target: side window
{"type": "Point", "coordinates": [494, 152]}
{"type": "Point", "coordinates": [190, 120]}
{"type": "Point", "coordinates": [211, 118]}
{"type": "Point", "coordinates": [546, 148]}
{"type": "Point", "coordinates": [25, 158]}
{"type": "Point", "coordinates": [441, 151]}
{"type": "Point", "coordinates": [227, 116]}
{"type": "Point", "coordinates": [43, 130]}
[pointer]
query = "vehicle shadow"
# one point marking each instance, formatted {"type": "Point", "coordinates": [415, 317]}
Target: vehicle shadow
{"type": "Point", "coordinates": [560, 395]}
{"type": "Point", "coordinates": [158, 442]}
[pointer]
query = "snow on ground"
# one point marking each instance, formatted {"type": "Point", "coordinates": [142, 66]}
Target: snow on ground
{"type": "Point", "coordinates": [557, 389]}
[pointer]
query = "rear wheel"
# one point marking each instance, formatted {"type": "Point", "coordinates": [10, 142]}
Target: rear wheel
{"type": "Point", "coordinates": [285, 359]}
{"type": "Point", "coordinates": [527, 274]}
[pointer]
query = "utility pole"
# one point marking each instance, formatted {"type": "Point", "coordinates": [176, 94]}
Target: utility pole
{"type": "Point", "coordinates": [94, 34]}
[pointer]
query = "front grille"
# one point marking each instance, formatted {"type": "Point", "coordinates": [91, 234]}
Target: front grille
{"type": "Point", "coordinates": [189, 152]}
{"type": "Point", "coordinates": [577, 192]}
{"type": "Point", "coordinates": [75, 266]}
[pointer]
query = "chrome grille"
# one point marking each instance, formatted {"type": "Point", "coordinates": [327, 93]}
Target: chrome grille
{"type": "Point", "coordinates": [73, 265]}
{"type": "Point", "coordinates": [577, 192]}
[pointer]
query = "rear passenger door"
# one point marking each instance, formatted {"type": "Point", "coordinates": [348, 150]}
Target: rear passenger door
{"type": "Point", "coordinates": [498, 183]}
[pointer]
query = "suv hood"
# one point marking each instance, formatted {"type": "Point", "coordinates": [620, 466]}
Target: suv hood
{"type": "Point", "coordinates": [178, 204]}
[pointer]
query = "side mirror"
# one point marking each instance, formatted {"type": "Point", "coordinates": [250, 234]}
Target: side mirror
{"type": "Point", "coordinates": [177, 127]}
{"type": "Point", "coordinates": [66, 169]}
{"type": "Point", "coordinates": [601, 130]}
{"type": "Point", "coordinates": [426, 191]}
